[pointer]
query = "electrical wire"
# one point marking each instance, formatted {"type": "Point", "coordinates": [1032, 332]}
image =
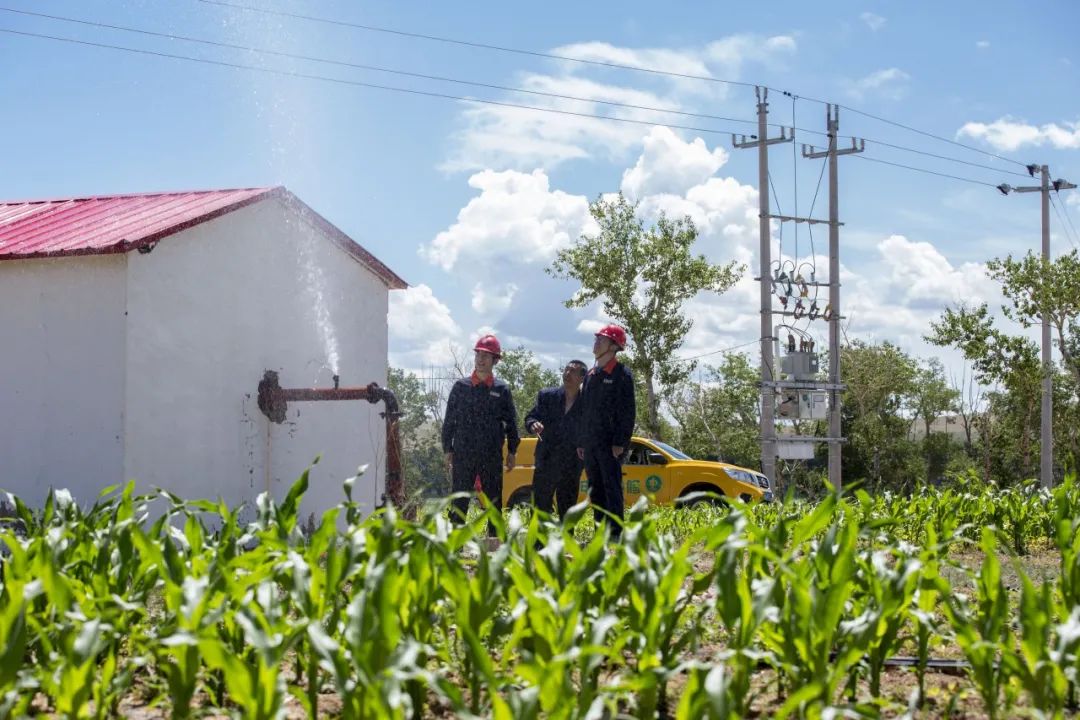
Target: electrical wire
{"type": "Point", "coordinates": [932, 135]}
{"type": "Point", "coordinates": [467, 43]}
{"type": "Point", "coordinates": [943, 157]}
{"type": "Point", "coordinates": [372, 68]}
{"type": "Point", "coordinates": [779, 211]}
{"type": "Point", "coordinates": [924, 170]}
{"type": "Point", "coordinates": [1064, 228]}
{"type": "Point", "coordinates": [495, 86]}
{"type": "Point", "coordinates": [447, 96]}
{"type": "Point", "coordinates": [584, 61]}
{"type": "Point", "coordinates": [358, 83]}
{"type": "Point", "coordinates": [795, 173]}
{"type": "Point", "coordinates": [716, 352]}
{"type": "Point", "coordinates": [1068, 218]}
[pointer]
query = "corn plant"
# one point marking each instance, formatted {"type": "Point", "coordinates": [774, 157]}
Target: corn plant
{"type": "Point", "coordinates": [982, 628]}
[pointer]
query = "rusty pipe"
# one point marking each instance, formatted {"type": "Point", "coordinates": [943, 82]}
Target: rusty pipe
{"type": "Point", "coordinates": [274, 400]}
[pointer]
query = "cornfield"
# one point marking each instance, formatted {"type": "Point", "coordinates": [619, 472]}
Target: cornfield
{"type": "Point", "coordinates": [785, 610]}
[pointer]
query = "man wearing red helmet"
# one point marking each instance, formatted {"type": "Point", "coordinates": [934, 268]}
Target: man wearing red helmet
{"type": "Point", "coordinates": [607, 421]}
{"type": "Point", "coordinates": [480, 415]}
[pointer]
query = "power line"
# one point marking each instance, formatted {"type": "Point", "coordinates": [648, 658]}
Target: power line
{"type": "Point", "coordinates": [600, 63]}
{"type": "Point", "coordinates": [1068, 218]}
{"type": "Point", "coordinates": [374, 68]}
{"type": "Point", "coordinates": [467, 43]}
{"type": "Point", "coordinates": [946, 157]}
{"type": "Point", "coordinates": [423, 93]}
{"type": "Point", "coordinates": [358, 83]}
{"type": "Point", "coordinates": [928, 172]}
{"type": "Point", "coordinates": [472, 83]}
{"type": "Point", "coordinates": [716, 352]}
{"type": "Point", "coordinates": [1065, 228]}
{"type": "Point", "coordinates": [932, 135]}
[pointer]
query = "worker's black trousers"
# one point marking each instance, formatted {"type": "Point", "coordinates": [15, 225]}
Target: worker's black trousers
{"type": "Point", "coordinates": [559, 476]}
{"type": "Point", "coordinates": [463, 476]}
{"type": "Point", "coordinates": [604, 472]}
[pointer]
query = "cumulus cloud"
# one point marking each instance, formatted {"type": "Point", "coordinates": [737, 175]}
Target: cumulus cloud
{"type": "Point", "coordinates": [516, 219]}
{"type": "Point", "coordinates": [421, 327]}
{"type": "Point", "coordinates": [921, 275]}
{"type": "Point", "coordinates": [505, 137]}
{"type": "Point", "coordinates": [1008, 134]}
{"type": "Point", "coordinates": [670, 165]}
{"type": "Point", "coordinates": [510, 231]}
{"type": "Point", "coordinates": [502, 242]}
{"type": "Point", "coordinates": [488, 299]}
{"type": "Point", "coordinates": [890, 84]}
{"type": "Point", "coordinates": [873, 21]}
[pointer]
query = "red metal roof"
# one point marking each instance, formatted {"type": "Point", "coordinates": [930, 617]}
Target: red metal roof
{"type": "Point", "coordinates": [119, 223]}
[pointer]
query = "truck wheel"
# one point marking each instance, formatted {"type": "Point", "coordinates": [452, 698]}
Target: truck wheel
{"type": "Point", "coordinates": [695, 496]}
{"type": "Point", "coordinates": [522, 496]}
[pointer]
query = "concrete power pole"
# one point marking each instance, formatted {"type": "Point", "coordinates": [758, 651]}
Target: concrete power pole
{"type": "Point", "coordinates": [768, 390]}
{"type": "Point", "coordinates": [832, 121]}
{"type": "Point", "coordinates": [1046, 430]}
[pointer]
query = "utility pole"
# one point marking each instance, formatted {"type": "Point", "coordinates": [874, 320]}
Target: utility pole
{"type": "Point", "coordinates": [1046, 430]}
{"type": "Point", "coordinates": [832, 122]}
{"type": "Point", "coordinates": [768, 389]}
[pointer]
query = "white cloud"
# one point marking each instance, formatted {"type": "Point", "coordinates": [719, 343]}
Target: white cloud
{"type": "Point", "coordinates": [873, 21]}
{"type": "Point", "coordinates": [1008, 134]}
{"type": "Point", "coordinates": [509, 232]}
{"type": "Point", "coordinates": [982, 44]}
{"type": "Point", "coordinates": [516, 219]}
{"type": "Point", "coordinates": [505, 137]}
{"type": "Point", "coordinates": [669, 165]}
{"type": "Point", "coordinates": [890, 83]}
{"type": "Point", "coordinates": [920, 274]}
{"type": "Point", "coordinates": [488, 299]}
{"type": "Point", "coordinates": [421, 328]}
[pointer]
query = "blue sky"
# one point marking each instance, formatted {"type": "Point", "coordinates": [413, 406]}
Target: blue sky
{"type": "Point", "coordinates": [468, 203]}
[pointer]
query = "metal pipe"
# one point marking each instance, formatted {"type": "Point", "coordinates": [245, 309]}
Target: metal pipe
{"type": "Point", "coordinates": [274, 400]}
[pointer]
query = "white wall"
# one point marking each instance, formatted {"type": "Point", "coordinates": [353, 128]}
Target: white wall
{"type": "Point", "coordinates": [213, 307]}
{"type": "Point", "coordinates": [61, 375]}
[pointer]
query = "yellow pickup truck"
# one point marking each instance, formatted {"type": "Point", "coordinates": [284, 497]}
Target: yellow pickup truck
{"type": "Point", "coordinates": [654, 469]}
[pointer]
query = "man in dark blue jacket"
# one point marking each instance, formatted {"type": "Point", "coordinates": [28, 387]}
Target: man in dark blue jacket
{"type": "Point", "coordinates": [554, 420]}
{"type": "Point", "coordinates": [606, 424]}
{"type": "Point", "coordinates": [480, 415]}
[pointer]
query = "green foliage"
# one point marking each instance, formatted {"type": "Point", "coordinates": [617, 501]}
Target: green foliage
{"type": "Point", "coordinates": [423, 466]}
{"type": "Point", "coordinates": [203, 614]}
{"type": "Point", "coordinates": [718, 417]}
{"type": "Point", "coordinates": [642, 278]}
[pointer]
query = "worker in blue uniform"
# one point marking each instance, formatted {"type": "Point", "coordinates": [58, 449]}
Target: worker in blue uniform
{"type": "Point", "coordinates": [607, 421]}
{"type": "Point", "coordinates": [480, 417]}
{"type": "Point", "coordinates": [554, 421]}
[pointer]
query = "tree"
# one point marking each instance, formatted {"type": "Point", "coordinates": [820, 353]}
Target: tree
{"type": "Point", "coordinates": [932, 396]}
{"type": "Point", "coordinates": [1010, 362]}
{"type": "Point", "coordinates": [643, 277]}
{"type": "Point", "coordinates": [876, 413]}
{"type": "Point", "coordinates": [525, 376]}
{"type": "Point", "coordinates": [718, 418]}
{"type": "Point", "coordinates": [423, 467]}
{"type": "Point", "coordinates": [1035, 287]}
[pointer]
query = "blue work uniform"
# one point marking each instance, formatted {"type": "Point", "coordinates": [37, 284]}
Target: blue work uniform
{"type": "Point", "coordinates": [607, 420]}
{"type": "Point", "coordinates": [557, 467]}
{"type": "Point", "coordinates": [480, 416]}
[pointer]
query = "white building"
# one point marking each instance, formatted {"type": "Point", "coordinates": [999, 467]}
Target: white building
{"type": "Point", "coordinates": [135, 330]}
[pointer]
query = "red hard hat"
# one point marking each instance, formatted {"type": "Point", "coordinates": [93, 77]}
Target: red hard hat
{"type": "Point", "coordinates": [615, 334]}
{"type": "Point", "coordinates": [489, 344]}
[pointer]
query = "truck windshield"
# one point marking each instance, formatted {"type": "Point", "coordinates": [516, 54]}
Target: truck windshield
{"type": "Point", "coordinates": [671, 451]}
